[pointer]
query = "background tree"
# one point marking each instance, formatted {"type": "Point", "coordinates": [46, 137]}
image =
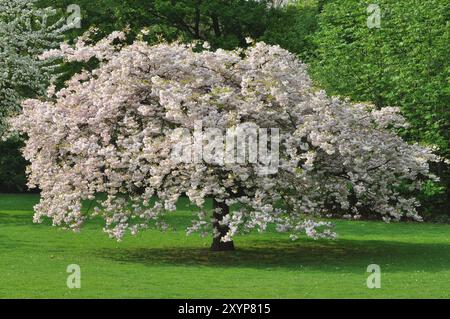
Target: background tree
{"type": "Point", "coordinates": [403, 63]}
{"type": "Point", "coordinates": [224, 24]}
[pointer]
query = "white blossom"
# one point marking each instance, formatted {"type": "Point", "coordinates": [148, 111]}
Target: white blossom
{"type": "Point", "coordinates": [24, 34]}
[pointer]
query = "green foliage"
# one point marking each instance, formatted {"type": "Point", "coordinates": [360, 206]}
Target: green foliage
{"type": "Point", "coordinates": [12, 166]}
{"type": "Point", "coordinates": [224, 24]}
{"type": "Point", "coordinates": [404, 63]}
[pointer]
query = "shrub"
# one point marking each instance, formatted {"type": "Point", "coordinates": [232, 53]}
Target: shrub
{"type": "Point", "coordinates": [125, 141]}
{"type": "Point", "coordinates": [404, 63]}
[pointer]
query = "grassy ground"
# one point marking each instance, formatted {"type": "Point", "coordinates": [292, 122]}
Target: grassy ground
{"type": "Point", "coordinates": [414, 260]}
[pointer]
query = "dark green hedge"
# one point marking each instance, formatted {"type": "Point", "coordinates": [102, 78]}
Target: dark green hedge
{"type": "Point", "coordinates": [12, 167]}
{"type": "Point", "coordinates": [403, 63]}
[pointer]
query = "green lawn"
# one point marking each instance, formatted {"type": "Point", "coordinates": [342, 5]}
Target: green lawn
{"type": "Point", "coordinates": [414, 260]}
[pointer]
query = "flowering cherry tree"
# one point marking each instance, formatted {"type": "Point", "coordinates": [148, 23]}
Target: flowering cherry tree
{"type": "Point", "coordinates": [25, 32]}
{"type": "Point", "coordinates": [114, 131]}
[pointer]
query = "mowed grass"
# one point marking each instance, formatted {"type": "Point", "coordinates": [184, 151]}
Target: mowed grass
{"type": "Point", "coordinates": [414, 260]}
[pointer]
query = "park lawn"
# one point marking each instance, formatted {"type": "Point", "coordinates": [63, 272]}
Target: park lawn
{"type": "Point", "coordinates": [414, 260]}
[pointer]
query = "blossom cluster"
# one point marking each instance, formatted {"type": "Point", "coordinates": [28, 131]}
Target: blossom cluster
{"type": "Point", "coordinates": [112, 130]}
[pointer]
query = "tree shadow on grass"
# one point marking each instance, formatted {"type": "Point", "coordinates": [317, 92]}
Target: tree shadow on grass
{"type": "Point", "coordinates": [343, 255]}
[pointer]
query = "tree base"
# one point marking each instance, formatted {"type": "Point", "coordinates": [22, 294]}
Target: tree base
{"type": "Point", "coordinates": [218, 245]}
{"type": "Point", "coordinates": [222, 230]}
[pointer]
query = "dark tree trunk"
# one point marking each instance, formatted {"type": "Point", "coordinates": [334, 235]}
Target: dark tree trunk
{"type": "Point", "coordinates": [217, 244]}
{"type": "Point", "coordinates": [216, 26]}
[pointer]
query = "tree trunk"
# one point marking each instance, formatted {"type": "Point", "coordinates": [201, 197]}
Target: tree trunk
{"type": "Point", "coordinates": [217, 244]}
{"type": "Point", "coordinates": [216, 26]}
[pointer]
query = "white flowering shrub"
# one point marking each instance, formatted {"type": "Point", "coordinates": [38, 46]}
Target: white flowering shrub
{"type": "Point", "coordinates": [113, 130]}
{"type": "Point", "coordinates": [25, 32]}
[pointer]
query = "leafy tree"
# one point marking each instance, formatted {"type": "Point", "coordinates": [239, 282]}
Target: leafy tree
{"type": "Point", "coordinates": [148, 126]}
{"type": "Point", "coordinates": [25, 32]}
{"type": "Point", "coordinates": [224, 24]}
{"type": "Point", "coordinates": [403, 63]}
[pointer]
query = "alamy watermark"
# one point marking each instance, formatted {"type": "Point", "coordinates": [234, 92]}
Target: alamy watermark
{"type": "Point", "coordinates": [245, 143]}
